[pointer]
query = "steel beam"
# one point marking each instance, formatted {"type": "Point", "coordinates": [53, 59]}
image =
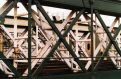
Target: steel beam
{"type": "Point", "coordinates": [9, 21]}
{"type": "Point", "coordinates": [107, 49]}
{"type": "Point", "coordinates": [1, 42]}
{"type": "Point", "coordinates": [96, 75]}
{"type": "Point", "coordinates": [102, 43]}
{"type": "Point", "coordinates": [60, 36]}
{"type": "Point", "coordinates": [108, 7]}
{"type": "Point", "coordinates": [100, 5]}
{"type": "Point", "coordinates": [8, 63]}
{"type": "Point", "coordinates": [29, 38]}
{"type": "Point", "coordinates": [91, 2]}
{"type": "Point", "coordinates": [48, 44]}
{"type": "Point", "coordinates": [108, 33]}
{"type": "Point", "coordinates": [112, 41]}
{"type": "Point", "coordinates": [5, 9]}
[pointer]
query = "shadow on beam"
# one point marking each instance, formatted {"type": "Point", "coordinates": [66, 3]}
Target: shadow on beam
{"type": "Point", "coordinates": [3, 75]}
{"type": "Point", "coordinates": [96, 75]}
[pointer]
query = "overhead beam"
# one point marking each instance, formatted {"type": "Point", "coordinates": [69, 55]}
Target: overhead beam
{"type": "Point", "coordinates": [108, 7]}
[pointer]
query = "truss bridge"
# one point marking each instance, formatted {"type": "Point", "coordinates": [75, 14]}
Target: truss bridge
{"type": "Point", "coordinates": [36, 45]}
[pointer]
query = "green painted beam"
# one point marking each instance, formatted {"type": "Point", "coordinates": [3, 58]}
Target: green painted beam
{"type": "Point", "coordinates": [9, 64]}
{"type": "Point", "coordinates": [29, 38]}
{"type": "Point", "coordinates": [107, 49]}
{"type": "Point", "coordinates": [108, 7]}
{"type": "Point", "coordinates": [60, 36]}
{"type": "Point", "coordinates": [96, 75]}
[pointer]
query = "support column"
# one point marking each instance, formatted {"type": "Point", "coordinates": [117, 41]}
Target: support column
{"type": "Point", "coordinates": [92, 33]}
{"type": "Point", "coordinates": [1, 42]}
{"type": "Point", "coordinates": [15, 34]}
{"type": "Point", "coordinates": [92, 37]}
{"type": "Point", "coordinates": [29, 38]}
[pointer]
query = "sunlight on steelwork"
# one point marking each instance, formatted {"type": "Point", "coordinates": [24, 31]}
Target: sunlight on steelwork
{"type": "Point", "coordinates": [60, 39]}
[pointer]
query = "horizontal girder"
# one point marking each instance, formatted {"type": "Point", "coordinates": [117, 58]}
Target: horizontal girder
{"type": "Point", "coordinates": [108, 7]}
{"type": "Point", "coordinates": [95, 75]}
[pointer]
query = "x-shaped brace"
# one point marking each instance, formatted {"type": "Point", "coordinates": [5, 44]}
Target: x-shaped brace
{"type": "Point", "coordinates": [112, 39]}
{"type": "Point", "coordinates": [62, 39]}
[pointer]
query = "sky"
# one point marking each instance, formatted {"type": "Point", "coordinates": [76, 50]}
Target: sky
{"type": "Point", "coordinates": [54, 12]}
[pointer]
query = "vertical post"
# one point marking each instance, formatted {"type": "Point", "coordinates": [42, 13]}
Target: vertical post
{"type": "Point", "coordinates": [36, 40]}
{"type": "Point", "coordinates": [118, 56]}
{"type": "Point", "coordinates": [77, 43]}
{"type": "Point", "coordinates": [92, 49]}
{"type": "Point", "coordinates": [15, 32]}
{"type": "Point", "coordinates": [1, 42]}
{"type": "Point", "coordinates": [29, 38]}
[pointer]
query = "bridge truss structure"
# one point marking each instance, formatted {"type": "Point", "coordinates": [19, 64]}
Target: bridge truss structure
{"type": "Point", "coordinates": [88, 47]}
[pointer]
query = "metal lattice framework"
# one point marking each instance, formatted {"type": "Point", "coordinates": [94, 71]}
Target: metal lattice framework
{"type": "Point", "coordinates": [82, 44]}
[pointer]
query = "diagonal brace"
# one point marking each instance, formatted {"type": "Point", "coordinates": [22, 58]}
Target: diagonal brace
{"type": "Point", "coordinates": [12, 68]}
{"type": "Point", "coordinates": [112, 40]}
{"type": "Point", "coordinates": [60, 36]}
{"type": "Point", "coordinates": [5, 9]}
{"type": "Point", "coordinates": [107, 49]}
{"type": "Point", "coordinates": [109, 45]}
